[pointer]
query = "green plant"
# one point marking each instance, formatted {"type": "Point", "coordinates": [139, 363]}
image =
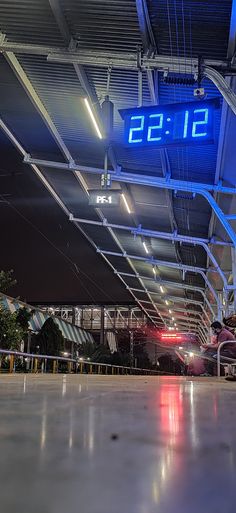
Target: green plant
{"type": "Point", "coordinates": [6, 280]}
{"type": "Point", "coordinates": [11, 333]}
{"type": "Point", "coordinates": [50, 339]}
{"type": "Point", "coordinates": [23, 317]}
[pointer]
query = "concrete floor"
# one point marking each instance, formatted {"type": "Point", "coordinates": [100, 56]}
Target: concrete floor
{"type": "Point", "coordinates": [102, 444]}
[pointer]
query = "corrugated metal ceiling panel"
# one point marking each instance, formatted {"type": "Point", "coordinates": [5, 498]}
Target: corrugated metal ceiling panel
{"type": "Point", "coordinates": [102, 24]}
{"type": "Point", "coordinates": [29, 21]}
{"type": "Point", "coordinates": [191, 27]}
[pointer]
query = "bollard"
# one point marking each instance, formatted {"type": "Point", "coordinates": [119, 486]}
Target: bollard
{"type": "Point", "coordinates": [11, 363]}
{"type": "Point", "coordinates": [36, 365]}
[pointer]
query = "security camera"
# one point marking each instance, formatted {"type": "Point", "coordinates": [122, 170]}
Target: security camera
{"type": "Point", "coordinates": [199, 92]}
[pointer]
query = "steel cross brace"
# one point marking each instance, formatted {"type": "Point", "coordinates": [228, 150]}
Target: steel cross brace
{"type": "Point", "coordinates": [174, 299]}
{"type": "Point", "coordinates": [164, 263]}
{"type": "Point", "coordinates": [172, 284]}
{"type": "Point", "coordinates": [129, 61]}
{"type": "Point", "coordinates": [174, 237]}
{"type": "Point", "coordinates": [202, 189]}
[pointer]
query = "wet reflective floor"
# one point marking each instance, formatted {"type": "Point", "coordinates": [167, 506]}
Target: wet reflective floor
{"type": "Point", "coordinates": [102, 444]}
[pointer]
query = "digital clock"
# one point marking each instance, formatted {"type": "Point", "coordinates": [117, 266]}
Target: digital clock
{"type": "Point", "coordinates": [174, 124]}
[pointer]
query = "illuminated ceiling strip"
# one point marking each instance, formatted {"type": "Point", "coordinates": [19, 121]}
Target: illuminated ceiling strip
{"type": "Point", "coordinates": [126, 203]}
{"type": "Point", "coordinates": [93, 118]}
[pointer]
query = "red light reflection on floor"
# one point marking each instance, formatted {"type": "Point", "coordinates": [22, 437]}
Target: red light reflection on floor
{"type": "Point", "coordinates": [171, 410]}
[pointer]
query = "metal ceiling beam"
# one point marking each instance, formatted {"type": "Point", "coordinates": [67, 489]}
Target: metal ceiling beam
{"type": "Point", "coordinates": [79, 69]}
{"type": "Point", "coordinates": [116, 59]}
{"type": "Point", "coordinates": [21, 75]}
{"type": "Point", "coordinates": [232, 33]}
{"type": "Point", "coordinates": [161, 183]}
{"type": "Point", "coordinates": [174, 237]}
{"type": "Point", "coordinates": [129, 61]}
{"type": "Point", "coordinates": [138, 179]}
{"type": "Point", "coordinates": [148, 39]}
{"type": "Point", "coordinates": [163, 263]}
{"type": "Point", "coordinates": [174, 299]}
{"type": "Point", "coordinates": [174, 285]}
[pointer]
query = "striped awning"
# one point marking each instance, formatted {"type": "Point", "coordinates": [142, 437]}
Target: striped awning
{"type": "Point", "coordinates": [69, 331]}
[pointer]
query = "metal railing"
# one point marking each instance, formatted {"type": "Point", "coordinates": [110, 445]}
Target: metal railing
{"type": "Point", "coordinates": [226, 358]}
{"type": "Point", "coordinates": [39, 363]}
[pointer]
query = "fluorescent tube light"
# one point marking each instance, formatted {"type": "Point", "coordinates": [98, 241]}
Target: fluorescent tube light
{"type": "Point", "coordinates": [93, 118]}
{"type": "Point", "coordinates": [126, 203]}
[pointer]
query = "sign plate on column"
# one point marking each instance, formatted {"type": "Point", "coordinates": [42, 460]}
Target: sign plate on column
{"type": "Point", "coordinates": [104, 197]}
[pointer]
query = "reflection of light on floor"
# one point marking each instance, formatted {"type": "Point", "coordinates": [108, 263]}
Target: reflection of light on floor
{"type": "Point", "coordinates": [171, 412]}
{"type": "Point", "coordinates": [163, 472]}
{"type": "Point", "coordinates": [71, 431]}
{"type": "Point", "coordinates": [155, 492]}
{"type": "Point", "coordinates": [64, 383]}
{"type": "Point", "coordinates": [91, 428]}
{"type": "Point", "coordinates": [24, 385]}
{"type": "Point", "coordinates": [192, 415]}
{"type": "Point", "coordinates": [43, 432]}
{"type": "Point", "coordinates": [88, 438]}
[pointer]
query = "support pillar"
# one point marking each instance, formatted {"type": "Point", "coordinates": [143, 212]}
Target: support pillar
{"type": "Point", "coordinates": [131, 335]}
{"type": "Point", "coordinates": [72, 350]}
{"type": "Point", "coordinates": [28, 350]}
{"type": "Point", "coordinates": [102, 326]}
{"type": "Point", "coordinates": [82, 318]}
{"type": "Point", "coordinates": [233, 257]}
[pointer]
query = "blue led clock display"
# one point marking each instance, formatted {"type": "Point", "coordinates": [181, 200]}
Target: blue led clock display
{"type": "Point", "coordinates": [164, 125]}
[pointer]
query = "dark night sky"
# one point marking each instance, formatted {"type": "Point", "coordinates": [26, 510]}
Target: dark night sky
{"type": "Point", "coordinates": [44, 262]}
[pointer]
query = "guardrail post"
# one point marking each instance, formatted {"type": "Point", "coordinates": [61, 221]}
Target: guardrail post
{"type": "Point", "coordinates": [69, 367]}
{"type": "Point", "coordinates": [36, 365]}
{"type": "Point", "coordinates": [218, 354]}
{"type": "Point", "coordinates": [106, 369]}
{"type": "Point", "coordinates": [90, 369]}
{"type": "Point", "coordinates": [81, 367]}
{"type": "Point", "coordinates": [99, 369]}
{"type": "Point", "coordinates": [11, 363]}
{"type": "Point", "coordinates": [54, 366]}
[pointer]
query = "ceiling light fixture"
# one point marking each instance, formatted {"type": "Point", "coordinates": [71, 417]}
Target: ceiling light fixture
{"type": "Point", "coordinates": [166, 302]}
{"type": "Point", "coordinates": [170, 311]}
{"type": "Point", "coordinates": [145, 247]}
{"type": "Point", "coordinates": [161, 289]}
{"type": "Point", "coordinates": [93, 118]}
{"type": "Point", "coordinates": [126, 203]}
{"type": "Point", "coordinates": [154, 271]}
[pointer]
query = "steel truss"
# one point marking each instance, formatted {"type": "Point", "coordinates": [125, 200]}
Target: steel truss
{"type": "Point", "coordinates": [164, 63]}
{"type": "Point", "coordinates": [127, 61]}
